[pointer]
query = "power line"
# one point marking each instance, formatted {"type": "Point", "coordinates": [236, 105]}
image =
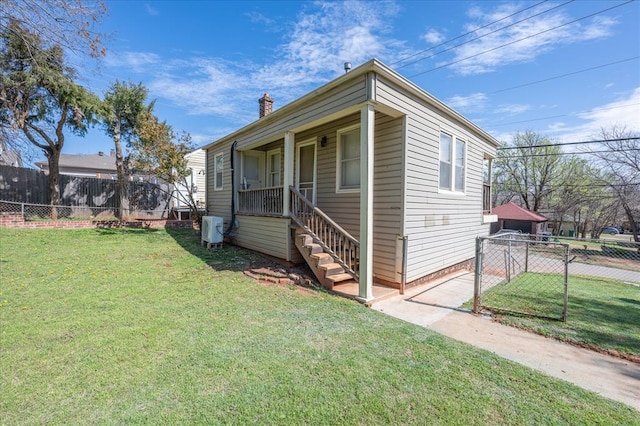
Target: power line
{"type": "Point", "coordinates": [473, 31]}
{"type": "Point", "coordinates": [547, 79]}
{"type": "Point", "coordinates": [570, 143]}
{"type": "Point", "coordinates": [562, 115]}
{"type": "Point", "coordinates": [570, 153]}
{"type": "Point", "coordinates": [522, 39]}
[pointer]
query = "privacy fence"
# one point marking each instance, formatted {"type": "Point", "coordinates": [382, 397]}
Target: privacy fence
{"type": "Point", "coordinates": [523, 275]}
{"type": "Point", "coordinates": [26, 191]}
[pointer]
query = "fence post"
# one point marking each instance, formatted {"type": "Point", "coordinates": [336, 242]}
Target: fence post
{"type": "Point", "coordinates": [477, 280]}
{"type": "Point", "coordinates": [526, 257]}
{"type": "Point", "coordinates": [566, 283]}
{"type": "Point", "coordinates": [508, 261]}
{"type": "Point", "coordinates": [22, 209]}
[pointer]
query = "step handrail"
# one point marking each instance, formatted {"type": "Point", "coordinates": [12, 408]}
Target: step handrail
{"type": "Point", "coordinates": [334, 240]}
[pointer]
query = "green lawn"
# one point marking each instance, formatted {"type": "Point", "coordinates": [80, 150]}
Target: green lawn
{"type": "Point", "coordinates": [146, 327]}
{"type": "Point", "coordinates": [602, 314]}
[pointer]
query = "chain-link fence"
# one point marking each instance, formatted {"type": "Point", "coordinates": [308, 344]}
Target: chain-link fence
{"type": "Point", "coordinates": [531, 275]}
{"type": "Point", "coordinates": [41, 212]}
{"type": "Point", "coordinates": [516, 274]}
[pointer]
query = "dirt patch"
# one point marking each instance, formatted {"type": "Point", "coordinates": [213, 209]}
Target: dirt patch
{"type": "Point", "coordinates": [270, 272]}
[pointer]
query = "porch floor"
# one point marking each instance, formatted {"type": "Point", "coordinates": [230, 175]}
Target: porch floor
{"type": "Point", "coordinates": [351, 290]}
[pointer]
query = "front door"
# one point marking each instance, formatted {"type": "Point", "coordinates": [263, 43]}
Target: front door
{"type": "Point", "coordinates": [252, 170]}
{"type": "Point", "coordinates": [306, 172]}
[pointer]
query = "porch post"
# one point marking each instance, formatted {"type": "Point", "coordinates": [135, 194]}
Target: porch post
{"type": "Point", "coordinates": [367, 120]}
{"type": "Point", "coordinates": [287, 175]}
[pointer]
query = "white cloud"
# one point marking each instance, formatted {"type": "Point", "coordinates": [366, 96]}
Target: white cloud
{"type": "Point", "coordinates": [323, 37]}
{"type": "Point", "coordinates": [136, 61]}
{"type": "Point", "coordinates": [433, 37]}
{"type": "Point", "coordinates": [522, 42]}
{"type": "Point", "coordinates": [474, 101]}
{"type": "Point", "coordinates": [512, 109]}
{"type": "Point", "coordinates": [623, 112]}
{"type": "Point", "coordinates": [151, 10]}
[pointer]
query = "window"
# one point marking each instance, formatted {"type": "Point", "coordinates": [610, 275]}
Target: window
{"type": "Point", "coordinates": [273, 168]}
{"type": "Point", "coordinates": [348, 167]}
{"type": "Point", "coordinates": [486, 184]}
{"type": "Point", "coordinates": [452, 163]}
{"type": "Point", "coordinates": [218, 162]}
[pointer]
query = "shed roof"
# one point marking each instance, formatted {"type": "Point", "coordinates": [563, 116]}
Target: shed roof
{"type": "Point", "coordinates": [512, 211]}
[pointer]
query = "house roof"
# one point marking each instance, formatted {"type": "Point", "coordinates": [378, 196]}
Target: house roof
{"type": "Point", "coordinates": [98, 161]}
{"type": "Point", "coordinates": [10, 158]}
{"type": "Point", "coordinates": [512, 211]}
{"type": "Point", "coordinates": [372, 65]}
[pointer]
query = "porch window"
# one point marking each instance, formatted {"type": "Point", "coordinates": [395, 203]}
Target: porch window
{"type": "Point", "coordinates": [273, 168]}
{"type": "Point", "coordinates": [452, 163]}
{"type": "Point", "coordinates": [218, 161]}
{"type": "Point", "coordinates": [348, 158]}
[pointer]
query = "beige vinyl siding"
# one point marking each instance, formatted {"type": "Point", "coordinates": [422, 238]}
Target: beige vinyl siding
{"type": "Point", "coordinates": [264, 234]}
{"type": "Point", "coordinates": [328, 103]}
{"type": "Point", "coordinates": [388, 175]}
{"type": "Point", "coordinates": [219, 202]}
{"type": "Point", "coordinates": [441, 226]}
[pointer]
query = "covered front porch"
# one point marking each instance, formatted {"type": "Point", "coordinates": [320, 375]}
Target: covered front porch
{"type": "Point", "coordinates": [289, 177]}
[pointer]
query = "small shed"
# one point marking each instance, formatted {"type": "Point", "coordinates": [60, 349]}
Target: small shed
{"type": "Point", "coordinates": [512, 216]}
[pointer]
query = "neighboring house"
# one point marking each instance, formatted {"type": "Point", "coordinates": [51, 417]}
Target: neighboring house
{"type": "Point", "coordinates": [197, 181]}
{"type": "Point", "coordinates": [92, 165]}
{"type": "Point", "coordinates": [9, 157]}
{"type": "Point", "coordinates": [512, 216]}
{"type": "Point", "coordinates": [563, 225]}
{"type": "Point", "coordinates": [384, 182]}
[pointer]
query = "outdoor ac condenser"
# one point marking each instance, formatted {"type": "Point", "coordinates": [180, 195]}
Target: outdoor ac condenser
{"type": "Point", "coordinates": [212, 229]}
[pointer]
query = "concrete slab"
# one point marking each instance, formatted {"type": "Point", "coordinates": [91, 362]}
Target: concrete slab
{"type": "Point", "coordinates": [437, 307]}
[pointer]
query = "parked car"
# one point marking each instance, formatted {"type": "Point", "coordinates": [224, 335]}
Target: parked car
{"type": "Point", "coordinates": [611, 230]}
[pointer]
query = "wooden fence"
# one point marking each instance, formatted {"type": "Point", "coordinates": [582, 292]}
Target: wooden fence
{"type": "Point", "coordinates": [30, 186]}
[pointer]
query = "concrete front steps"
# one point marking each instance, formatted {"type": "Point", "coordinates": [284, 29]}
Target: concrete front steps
{"type": "Point", "coordinates": [327, 271]}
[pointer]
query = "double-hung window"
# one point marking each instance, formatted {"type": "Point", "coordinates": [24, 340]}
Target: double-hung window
{"type": "Point", "coordinates": [218, 162]}
{"type": "Point", "coordinates": [348, 167]}
{"type": "Point", "coordinates": [452, 163]}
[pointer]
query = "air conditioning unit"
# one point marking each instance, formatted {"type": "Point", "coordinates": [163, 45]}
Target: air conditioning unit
{"type": "Point", "coordinates": [212, 229]}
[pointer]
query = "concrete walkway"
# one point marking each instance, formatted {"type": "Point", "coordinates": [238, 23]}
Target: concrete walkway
{"type": "Point", "coordinates": [437, 307]}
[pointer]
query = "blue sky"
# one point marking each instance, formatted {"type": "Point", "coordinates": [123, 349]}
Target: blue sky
{"type": "Point", "coordinates": [207, 63]}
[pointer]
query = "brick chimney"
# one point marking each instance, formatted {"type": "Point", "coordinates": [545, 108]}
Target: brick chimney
{"type": "Point", "coordinates": [266, 105]}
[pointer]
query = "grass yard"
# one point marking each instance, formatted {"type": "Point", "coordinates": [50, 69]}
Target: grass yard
{"type": "Point", "coordinates": [147, 327]}
{"type": "Point", "coordinates": [602, 314]}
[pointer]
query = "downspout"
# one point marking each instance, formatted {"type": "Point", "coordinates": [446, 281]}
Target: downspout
{"type": "Point", "coordinates": [403, 280]}
{"type": "Point", "coordinates": [233, 188]}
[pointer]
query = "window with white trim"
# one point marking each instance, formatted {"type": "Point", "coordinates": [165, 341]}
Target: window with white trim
{"type": "Point", "coordinates": [218, 162]}
{"type": "Point", "coordinates": [452, 163]}
{"type": "Point", "coordinates": [273, 167]}
{"type": "Point", "coordinates": [348, 159]}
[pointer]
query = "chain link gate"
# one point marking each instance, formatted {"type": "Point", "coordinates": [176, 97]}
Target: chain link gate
{"type": "Point", "coordinates": [518, 275]}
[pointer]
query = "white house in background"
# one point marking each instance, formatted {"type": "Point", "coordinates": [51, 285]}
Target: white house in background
{"type": "Point", "coordinates": [369, 179]}
{"type": "Point", "coordinates": [197, 181]}
{"type": "Point", "coordinates": [9, 157]}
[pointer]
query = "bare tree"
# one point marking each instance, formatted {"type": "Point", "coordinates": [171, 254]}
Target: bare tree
{"type": "Point", "coordinates": [70, 24]}
{"type": "Point", "coordinates": [619, 157]}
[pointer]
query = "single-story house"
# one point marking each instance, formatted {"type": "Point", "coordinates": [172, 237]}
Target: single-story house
{"type": "Point", "coordinates": [512, 216]}
{"type": "Point", "coordinates": [368, 178]}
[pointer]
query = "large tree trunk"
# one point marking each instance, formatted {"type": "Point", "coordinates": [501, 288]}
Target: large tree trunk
{"type": "Point", "coordinates": [53, 158]}
{"type": "Point", "coordinates": [123, 201]}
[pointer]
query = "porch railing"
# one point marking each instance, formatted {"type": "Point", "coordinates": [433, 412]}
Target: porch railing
{"type": "Point", "coordinates": [337, 242]}
{"type": "Point", "coordinates": [261, 201]}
